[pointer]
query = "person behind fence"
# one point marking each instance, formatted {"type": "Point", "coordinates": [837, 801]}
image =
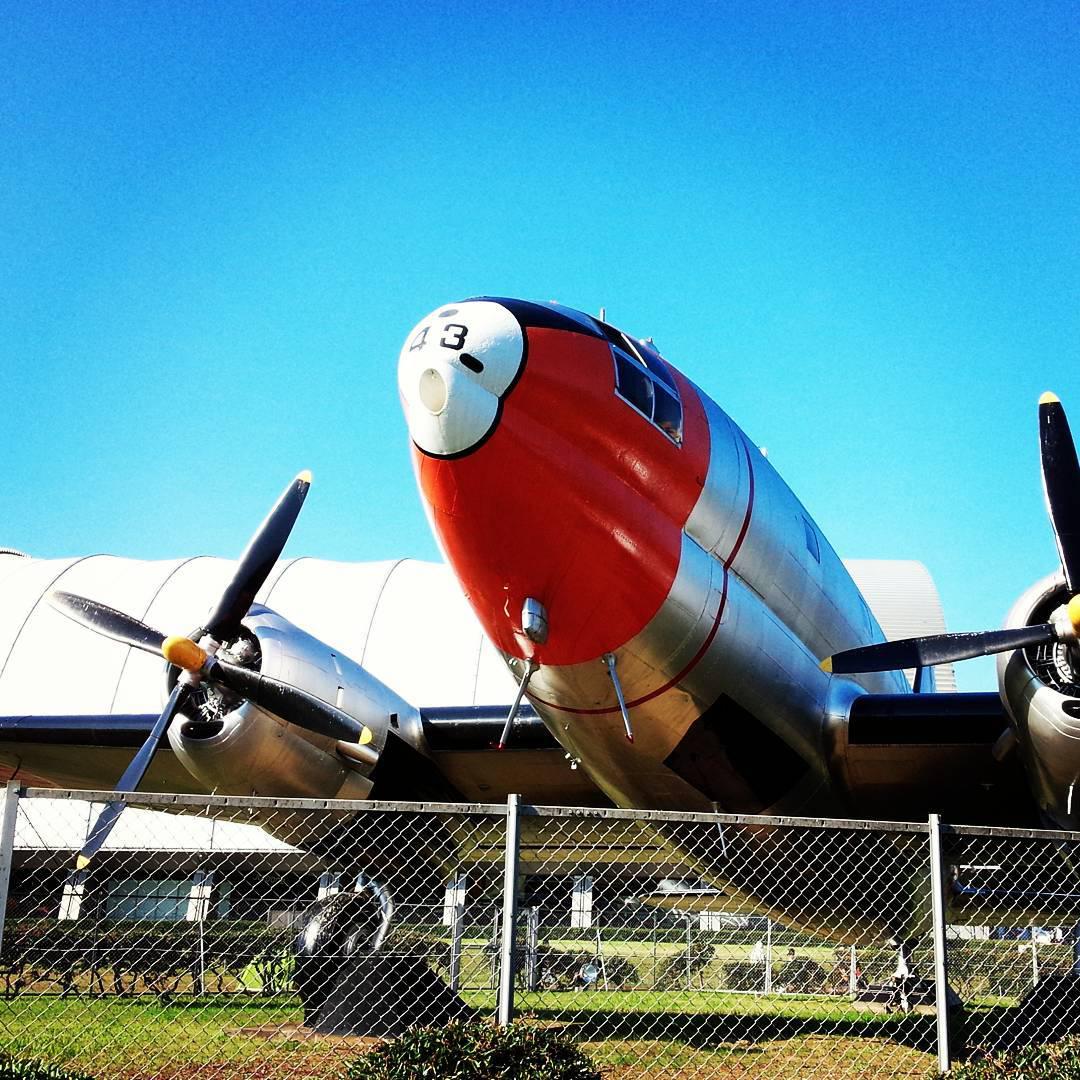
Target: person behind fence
{"type": "Point", "coordinates": [902, 982]}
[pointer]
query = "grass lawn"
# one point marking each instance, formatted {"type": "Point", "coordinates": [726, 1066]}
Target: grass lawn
{"type": "Point", "coordinates": [631, 1035]}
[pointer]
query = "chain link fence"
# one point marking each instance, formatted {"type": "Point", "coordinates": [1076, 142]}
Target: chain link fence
{"type": "Point", "coordinates": [229, 937]}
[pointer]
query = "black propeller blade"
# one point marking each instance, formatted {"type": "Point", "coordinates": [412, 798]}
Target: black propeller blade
{"type": "Point", "coordinates": [289, 702]}
{"type": "Point", "coordinates": [132, 777]}
{"type": "Point", "coordinates": [935, 649]}
{"type": "Point", "coordinates": [263, 550]}
{"type": "Point", "coordinates": [108, 621]}
{"type": "Point", "coordinates": [1061, 483]}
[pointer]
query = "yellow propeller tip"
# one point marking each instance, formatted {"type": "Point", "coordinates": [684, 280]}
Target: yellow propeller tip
{"type": "Point", "coordinates": [1049, 398]}
{"type": "Point", "coordinates": [366, 735]}
{"type": "Point", "coordinates": [82, 862]}
{"type": "Point", "coordinates": [183, 652]}
{"type": "Point", "coordinates": [826, 665]}
{"type": "Point", "coordinates": [304, 477]}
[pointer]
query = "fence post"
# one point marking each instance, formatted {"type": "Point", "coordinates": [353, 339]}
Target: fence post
{"type": "Point", "coordinates": [768, 955]}
{"type": "Point", "coordinates": [457, 934]}
{"type": "Point", "coordinates": [941, 965]}
{"type": "Point", "coordinates": [9, 813]}
{"type": "Point", "coordinates": [509, 912]}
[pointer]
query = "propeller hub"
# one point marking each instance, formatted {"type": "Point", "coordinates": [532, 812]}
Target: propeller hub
{"type": "Point", "coordinates": [1072, 612]}
{"type": "Point", "coordinates": [184, 653]}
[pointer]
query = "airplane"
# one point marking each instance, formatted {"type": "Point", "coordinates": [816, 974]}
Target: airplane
{"type": "Point", "coordinates": [679, 633]}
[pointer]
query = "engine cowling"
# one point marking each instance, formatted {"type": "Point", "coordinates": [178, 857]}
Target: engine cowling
{"type": "Point", "coordinates": [237, 748]}
{"type": "Point", "coordinates": [1040, 687]}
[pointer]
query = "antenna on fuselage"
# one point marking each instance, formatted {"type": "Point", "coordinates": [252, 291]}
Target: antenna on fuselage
{"type": "Point", "coordinates": [609, 663]}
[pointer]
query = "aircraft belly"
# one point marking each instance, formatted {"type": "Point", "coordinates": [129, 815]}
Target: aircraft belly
{"type": "Point", "coordinates": [714, 652]}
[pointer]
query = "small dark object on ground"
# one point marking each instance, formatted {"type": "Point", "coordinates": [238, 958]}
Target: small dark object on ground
{"type": "Point", "coordinates": [1048, 1012]}
{"type": "Point", "coordinates": [385, 994]}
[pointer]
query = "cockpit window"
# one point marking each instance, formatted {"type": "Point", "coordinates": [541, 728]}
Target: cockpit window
{"type": "Point", "coordinates": [643, 380]}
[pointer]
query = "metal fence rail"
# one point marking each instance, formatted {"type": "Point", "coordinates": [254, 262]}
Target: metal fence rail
{"type": "Point", "coordinates": [232, 937]}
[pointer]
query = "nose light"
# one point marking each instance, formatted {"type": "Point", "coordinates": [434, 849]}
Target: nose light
{"type": "Point", "coordinates": [433, 391]}
{"type": "Point", "coordinates": [534, 620]}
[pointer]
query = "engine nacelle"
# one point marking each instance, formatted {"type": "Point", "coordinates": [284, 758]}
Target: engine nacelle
{"type": "Point", "coordinates": [1040, 687]}
{"type": "Point", "coordinates": [226, 742]}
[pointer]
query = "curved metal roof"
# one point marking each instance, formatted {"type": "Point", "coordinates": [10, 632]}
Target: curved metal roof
{"type": "Point", "coordinates": [904, 599]}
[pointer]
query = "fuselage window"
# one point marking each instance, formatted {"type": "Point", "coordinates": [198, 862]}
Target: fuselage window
{"type": "Point", "coordinates": [644, 381]}
{"type": "Point", "coordinates": [811, 540]}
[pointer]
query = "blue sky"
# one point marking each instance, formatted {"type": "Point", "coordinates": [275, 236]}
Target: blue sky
{"type": "Point", "coordinates": [855, 225]}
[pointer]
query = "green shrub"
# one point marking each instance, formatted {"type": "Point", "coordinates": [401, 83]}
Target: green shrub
{"type": "Point", "coordinates": [1057, 1061]}
{"type": "Point", "coordinates": [676, 971]}
{"type": "Point", "coordinates": [803, 976]}
{"type": "Point", "coordinates": [158, 953]}
{"type": "Point", "coordinates": [743, 975]}
{"type": "Point", "coordinates": [19, 1068]}
{"type": "Point", "coordinates": [475, 1051]}
{"type": "Point", "coordinates": [560, 969]}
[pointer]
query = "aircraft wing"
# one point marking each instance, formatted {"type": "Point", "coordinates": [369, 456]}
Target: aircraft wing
{"type": "Point", "coordinates": [86, 752]}
{"type": "Point", "coordinates": [92, 751]}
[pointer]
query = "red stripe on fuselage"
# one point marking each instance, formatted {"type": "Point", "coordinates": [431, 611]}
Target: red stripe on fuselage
{"type": "Point", "coordinates": [696, 658]}
{"type": "Point", "coordinates": [575, 500]}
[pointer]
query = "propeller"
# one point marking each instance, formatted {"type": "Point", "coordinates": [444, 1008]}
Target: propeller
{"type": "Point", "coordinates": [197, 660]}
{"type": "Point", "coordinates": [1061, 484]}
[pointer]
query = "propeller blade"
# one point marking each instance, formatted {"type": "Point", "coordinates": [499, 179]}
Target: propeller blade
{"type": "Point", "coordinates": [263, 550]}
{"type": "Point", "coordinates": [289, 702]}
{"type": "Point", "coordinates": [936, 649]}
{"type": "Point", "coordinates": [132, 777]}
{"type": "Point", "coordinates": [1061, 483]}
{"type": "Point", "coordinates": [108, 621]}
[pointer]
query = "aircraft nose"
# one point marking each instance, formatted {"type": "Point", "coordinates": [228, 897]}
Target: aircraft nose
{"type": "Point", "coordinates": [455, 368]}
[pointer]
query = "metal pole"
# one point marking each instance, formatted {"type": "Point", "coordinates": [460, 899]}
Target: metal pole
{"type": "Point", "coordinates": [509, 912]}
{"type": "Point", "coordinates": [652, 985]}
{"type": "Point", "coordinates": [9, 813]}
{"type": "Point", "coordinates": [202, 959]}
{"type": "Point", "coordinates": [768, 956]}
{"type": "Point", "coordinates": [688, 918]}
{"type": "Point", "coordinates": [941, 967]}
{"type": "Point", "coordinates": [532, 949]}
{"type": "Point", "coordinates": [1034, 959]}
{"type": "Point", "coordinates": [457, 932]}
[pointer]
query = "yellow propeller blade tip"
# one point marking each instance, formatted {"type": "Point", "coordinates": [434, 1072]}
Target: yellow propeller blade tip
{"type": "Point", "coordinates": [366, 735]}
{"type": "Point", "coordinates": [826, 665]}
{"type": "Point", "coordinates": [304, 477]}
{"type": "Point", "coordinates": [82, 862]}
{"type": "Point", "coordinates": [1049, 398]}
{"type": "Point", "coordinates": [183, 652]}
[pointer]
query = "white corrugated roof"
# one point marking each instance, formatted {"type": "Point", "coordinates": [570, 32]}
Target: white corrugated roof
{"type": "Point", "coordinates": [45, 823]}
{"type": "Point", "coordinates": [902, 595]}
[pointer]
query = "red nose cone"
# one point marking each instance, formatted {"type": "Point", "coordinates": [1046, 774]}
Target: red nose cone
{"type": "Point", "coordinates": [572, 498]}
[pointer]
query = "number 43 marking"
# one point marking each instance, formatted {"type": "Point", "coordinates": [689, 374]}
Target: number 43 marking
{"type": "Point", "coordinates": [454, 335]}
